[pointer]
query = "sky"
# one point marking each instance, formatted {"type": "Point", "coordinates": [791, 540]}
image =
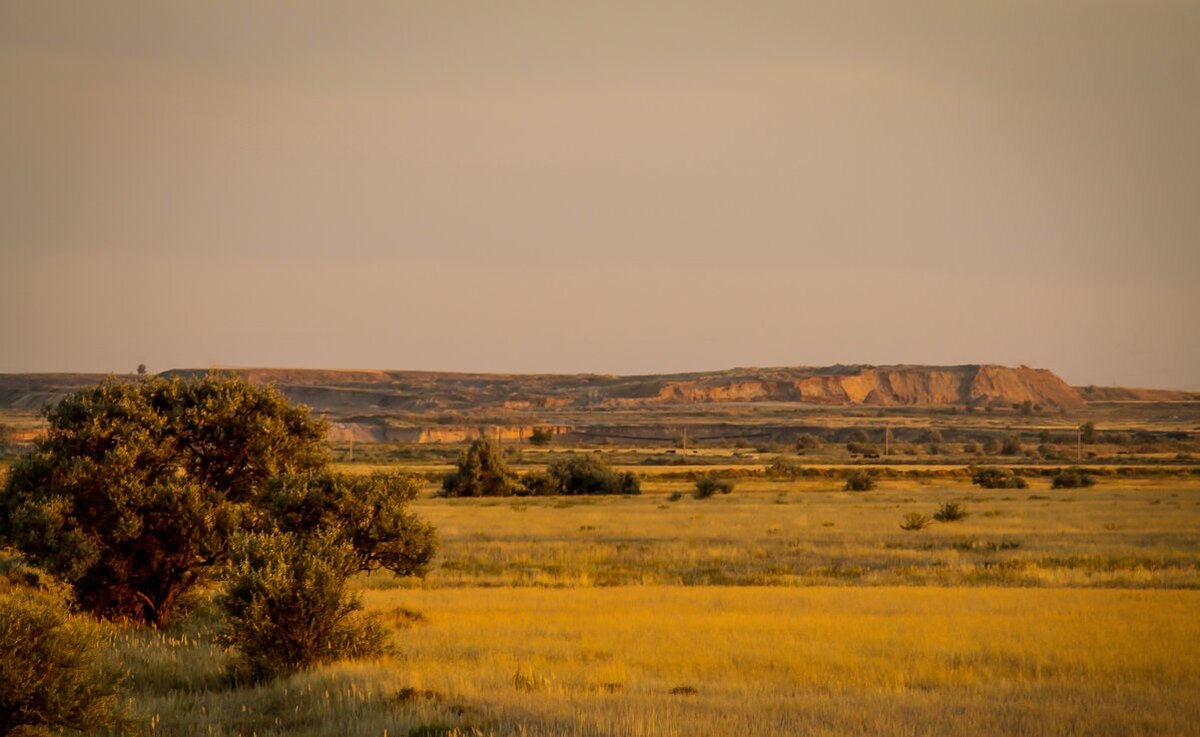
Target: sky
{"type": "Point", "coordinates": [616, 187]}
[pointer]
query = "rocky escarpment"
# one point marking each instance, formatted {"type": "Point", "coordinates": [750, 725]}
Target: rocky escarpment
{"type": "Point", "coordinates": [400, 391]}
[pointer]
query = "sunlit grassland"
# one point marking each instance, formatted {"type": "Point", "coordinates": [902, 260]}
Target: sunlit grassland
{"type": "Point", "coordinates": [789, 607]}
{"type": "Point", "coordinates": [1131, 533]}
{"type": "Point", "coordinates": [661, 660]}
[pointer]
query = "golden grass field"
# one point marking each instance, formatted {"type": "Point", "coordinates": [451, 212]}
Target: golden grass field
{"type": "Point", "coordinates": [614, 616]}
{"type": "Point", "coordinates": [666, 660]}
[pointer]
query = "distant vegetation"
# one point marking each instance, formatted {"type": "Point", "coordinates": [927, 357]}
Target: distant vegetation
{"type": "Point", "coordinates": [997, 478]}
{"type": "Point", "coordinates": [482, 471]}
{"type": "Point", "coordinates": [1072, 479]}
{"type": "Point", "coordinates": [860, 480]}
{"type": "Point", "coordinates": [707, 486]}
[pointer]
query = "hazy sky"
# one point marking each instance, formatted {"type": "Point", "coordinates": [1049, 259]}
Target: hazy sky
{"type": "Point", "coordinates": [604, 186]}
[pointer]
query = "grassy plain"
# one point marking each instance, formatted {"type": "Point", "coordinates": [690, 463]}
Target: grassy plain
{"type": "Point", "coordinates": [1125, 532]}
{"type": "Point", "coordinates": [1044, 612]}
{"type": "Point", "coordinates": [666, 660]}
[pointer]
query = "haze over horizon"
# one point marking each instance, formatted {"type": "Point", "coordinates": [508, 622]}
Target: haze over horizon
{"type": "Point", "coordinates": [610, 188]}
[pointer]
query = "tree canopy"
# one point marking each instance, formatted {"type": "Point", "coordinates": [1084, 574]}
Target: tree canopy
{"type": "Point", "coordinates": [138, 488]}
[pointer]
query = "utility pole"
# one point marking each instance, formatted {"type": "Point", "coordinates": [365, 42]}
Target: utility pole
{"type": "Point", "coordinates": [683, 442]}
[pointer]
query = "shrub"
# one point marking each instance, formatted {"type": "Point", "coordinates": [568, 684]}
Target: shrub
{"type": "Point", "coordinates": [481, 471]}
{"type": "Point", "coordinates": [807, 441]}
{"type": "Point", "coordinates": [867, 449]}
{"type": "Point", "coordinates": [970, 447]}
{"type": "Point", "coordinates": [915, 521]}
{"type": "Point", "coordinates": [1072, 479]}
{"type": "Point", "coordinates": [782, 468]}
{"type": "Point", "coordinates": [997, 478]}
{"type": "Point", "coordinates": [368, 513]}
{"type": "Point", "coordinates": [1011, 446]}
{"type": "Point", "coordinates": [541, 436]}
{"type": "Point", "coordinates": [706, 486]}
{"type": "Point", "coordinates": [539, 483]}
{"type": "Point", "coordinates": [950, 512]}
{"type": "Point", "coordinates": [587, 474]}
{"type": "Point", "coordinates": [859, 481]}
{"type": "Point", "coordinates": [992, 446]}
{"type": "Point", "coordinates": [51, 675]}
{"type": "Point", "coordinates": [288, 605]}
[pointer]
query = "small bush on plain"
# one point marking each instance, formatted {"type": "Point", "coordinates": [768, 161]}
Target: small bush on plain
{"type": "Point", "coordinates": [1011, 446]}
{"type": "Point", "coordinates": [997, 478]}
{"type": "Point", "coordinates": [288, 605]}
{"type": "Point", "coordinates": [1072, 479]}
{"type": "Point", "coordinates": [481, 471]}
{"type": "Point", "coordinates": [951, 512]}
{"type": "Point", "coordinates": [860, 481]}
{"type": "Point", "coordinates": [587, 474]}
{"type": "Point", "coordinates": [915, 521]}
{"type": "Point", "coordinates": [783, 468]}
{"type": "Point", "coordinates": [706, 486]}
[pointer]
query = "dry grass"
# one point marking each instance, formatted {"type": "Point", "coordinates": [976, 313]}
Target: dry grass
{"type": "Point", "coordinates": [1122, 533]}
{"type": "Point", "coordinates": [721, 661]}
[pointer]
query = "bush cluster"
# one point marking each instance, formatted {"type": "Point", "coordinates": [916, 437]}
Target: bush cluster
{"type": "Point", "coordinates": [706, 486]}
{"type": "Point", "coordinates": [482, 471]}
{"type": "Point", "coordinates": [859, 480]}
{"type": "Point", "coordinates": [587, 474]}
{"type": "Point", "coordinates": [1072, 479]}
{"type": "Point", "coordinates": [997, 478]}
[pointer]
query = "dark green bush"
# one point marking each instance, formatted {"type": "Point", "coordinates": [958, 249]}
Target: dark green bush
{"type": "Point", "coordinates": [541, 435]}
{"type": "Point", "coordinates": [867, 449]}
{"type": "Point", "coordinates": [52, 677]}
{"type": "Point", "coordinates": [288, 605]}
{"type": "Point", "coordinates": [997, 478]}
{"type": "Point", "coordinates": [539, 483]}
{"type": "Point", "coordinates": [481, 471]}
{"type": "Point", "coordinates": [587, 474]}
{"type": "Point", "coordinates": [706, 486]}
{"type": "Point", "coordinates": [859, 481]}
{"type": "Point", "coordinates": [369, 513]}
{"type": "Point", "coordinates": [1072, 479]}
{"type": "Point", "coordinates": [1011, 446]}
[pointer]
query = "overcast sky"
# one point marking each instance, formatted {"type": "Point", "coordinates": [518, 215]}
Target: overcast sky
{"type": "Point", "coordinates": [621, 187]}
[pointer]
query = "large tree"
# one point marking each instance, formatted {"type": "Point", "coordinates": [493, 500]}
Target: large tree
{"type": "Point", "coordinates": [135, 491]}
